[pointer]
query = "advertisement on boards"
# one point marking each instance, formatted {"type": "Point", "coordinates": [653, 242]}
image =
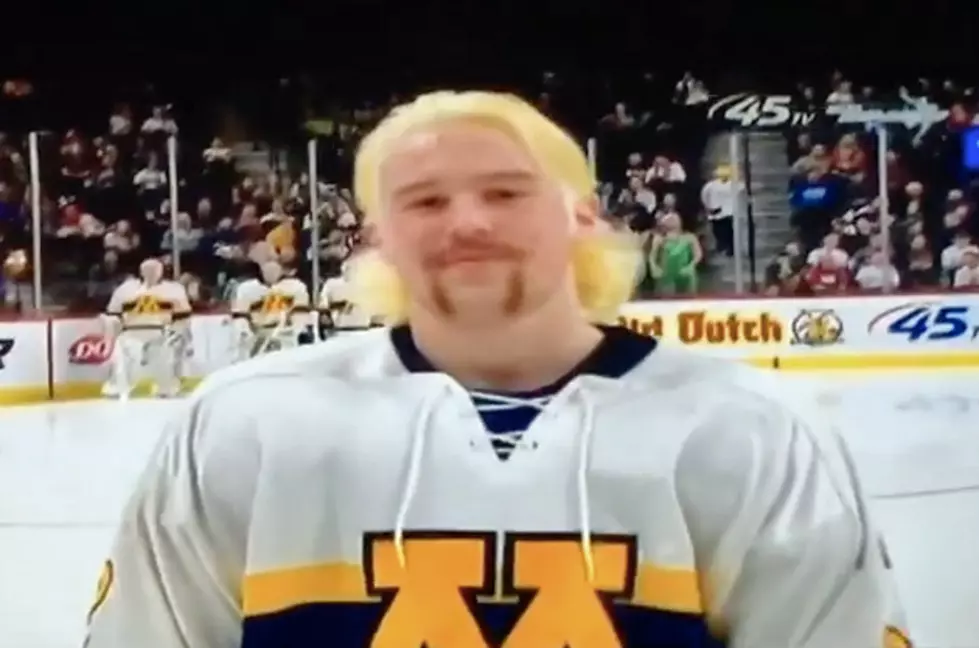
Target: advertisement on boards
{"type": "Point", "coordinates": [946, 322]}
{"type": "Point", "coordinates": [6, 346]}
{"type": "Point", "coordinates": [723, 329]}
{"type": "Point", "coordinates": [23, 361]}
{"type": "Point", "coordinates": [817, 328]}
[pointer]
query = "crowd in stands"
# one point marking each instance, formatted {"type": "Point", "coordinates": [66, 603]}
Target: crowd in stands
{"type": "Point", "coordinates": [106, 206]}
{"type": "Point", "coordinates": [926, 239]}
{"type": "Point", "coordinates": [106, 203]}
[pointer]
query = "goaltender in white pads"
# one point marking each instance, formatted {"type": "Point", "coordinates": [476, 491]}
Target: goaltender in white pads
{"type": "Point", "coordinates": [148, 320]}
{"type": "Point", "coordinates": [494, 469]}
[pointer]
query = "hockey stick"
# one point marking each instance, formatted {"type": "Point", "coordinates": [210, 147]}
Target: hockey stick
{"type": "Point", "coordinates": [279, 328]}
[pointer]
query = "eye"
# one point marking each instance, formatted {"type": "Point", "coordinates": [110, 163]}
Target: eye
{"type": "Point", "coordinates": [503, 195]}
{"type": "Point", "coordinates": [429, 203]}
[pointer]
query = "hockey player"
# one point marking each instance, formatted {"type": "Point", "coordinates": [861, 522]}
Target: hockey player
{"type": "Point", "coordinates": [148, 320]}
{"type": "Point", "coordinates": [270, 314]}
{"type": "Point", "coordinates": [338, 304]}
{"type": "Point", "coordinates": [494, 469]}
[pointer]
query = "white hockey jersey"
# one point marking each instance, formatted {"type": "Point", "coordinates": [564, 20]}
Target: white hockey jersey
{"type": "Point", "coordinates": [336, 298]}
{"type": "Point", "coordinates": [140, 306]}
{"type": "Point", "coordinates": [264, 306]}
{"type": "Point", "coordinates": [339, 495]}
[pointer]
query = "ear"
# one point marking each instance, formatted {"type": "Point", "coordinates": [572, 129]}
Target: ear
{"type": "Point", "coordinates": [379, 239]}
{"type": "Point", "coordinates": [585, 216]}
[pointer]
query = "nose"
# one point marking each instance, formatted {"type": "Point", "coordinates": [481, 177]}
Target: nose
{"type": "Point", "coordinates": [468, 215]}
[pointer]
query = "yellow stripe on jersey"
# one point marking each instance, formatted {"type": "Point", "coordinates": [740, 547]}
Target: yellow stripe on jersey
{"type": "Point", "coordinates": [668, 588]}
{"type": "Point", "coordinates": [147, 305]}
{"type": "Point", "coordinates": [273, 303]}
{"type": "Point", "coordinates": [272, 591]}
{"type": "Point", "coordinates": [895, 638]}
{"type": "Point", "coordinates": [532, 562]}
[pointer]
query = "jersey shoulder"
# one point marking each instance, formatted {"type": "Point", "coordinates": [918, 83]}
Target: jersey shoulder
{"type": "Point", "coordinates": [363, 355]}
{"type": "Point", "coordinates": [741, 419]}
{"type": "Point", "coordinates": [292, 285]}
{"type": "Point", "coordinates": [250, 285]}
{"type": "Point", "coordinates": [306, 395]}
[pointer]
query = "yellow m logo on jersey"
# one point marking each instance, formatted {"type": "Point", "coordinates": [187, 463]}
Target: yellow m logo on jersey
{"type": "Point", "coordinates": [470, 589]}
{"type": "Point", "coordinates": [275, 303]}
{"type": "Point", "coordinates": [147, 305]}
{"type": "Point", "coordinates": [429, 605]}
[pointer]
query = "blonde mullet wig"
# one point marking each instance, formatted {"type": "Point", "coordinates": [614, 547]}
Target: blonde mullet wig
{"type": "Point", "coordinates": [605, 264]}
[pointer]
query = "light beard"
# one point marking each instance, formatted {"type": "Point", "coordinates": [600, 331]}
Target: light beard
{"type": "Point", "coordinates": [511, 303]}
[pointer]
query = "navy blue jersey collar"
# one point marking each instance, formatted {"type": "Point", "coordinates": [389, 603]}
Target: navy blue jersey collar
{"type": "Point", "coordinates": [619, 351]}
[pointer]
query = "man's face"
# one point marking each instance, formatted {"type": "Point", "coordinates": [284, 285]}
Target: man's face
{"type": "Point", "coordinates": [472, 225]}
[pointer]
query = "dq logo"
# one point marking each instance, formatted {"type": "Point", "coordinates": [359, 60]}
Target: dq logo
{"type": "Point", "coordinates": [90, 350]}
{"type": "Point", "coordinates": [428, 607]}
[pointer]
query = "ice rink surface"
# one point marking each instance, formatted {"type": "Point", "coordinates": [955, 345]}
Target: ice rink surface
{"type": "Point", "coordinates": [66, 470]}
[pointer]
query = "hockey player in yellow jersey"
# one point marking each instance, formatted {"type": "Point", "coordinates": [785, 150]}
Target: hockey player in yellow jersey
{"type": "Point", "coordinates": [147, 320]}
{"type": "Point", "coordinates": [338, 301]}
{"type": "Point", "coordinates": [495, 469]}
{"type": "Point", "coordinates": [270, 314]}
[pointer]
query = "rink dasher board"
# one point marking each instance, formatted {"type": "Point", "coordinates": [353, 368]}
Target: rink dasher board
{"type": "Point", "coordinates": [64, 358]}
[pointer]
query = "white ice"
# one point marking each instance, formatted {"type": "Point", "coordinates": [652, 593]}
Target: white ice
{"type": "Point", "coordinates": [66, 470]}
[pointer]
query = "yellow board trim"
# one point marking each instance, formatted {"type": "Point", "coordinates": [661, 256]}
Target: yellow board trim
{"type": "Point", "coordinates": [81, 390]}
{"type": "Point", "coordinates": [676, 590]}
{"type": "Point", "coordinates": [38, 393]}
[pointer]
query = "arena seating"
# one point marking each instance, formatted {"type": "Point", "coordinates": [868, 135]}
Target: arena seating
{"type": "Point", "coordinates": [105, 194]}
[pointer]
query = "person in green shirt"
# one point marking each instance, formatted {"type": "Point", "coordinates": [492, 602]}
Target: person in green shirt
{"type": "Point", "coordinates": [674, 256]}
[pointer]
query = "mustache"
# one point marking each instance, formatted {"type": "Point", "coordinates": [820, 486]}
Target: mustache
{"type": "Point", "coordinates": [474, 251]}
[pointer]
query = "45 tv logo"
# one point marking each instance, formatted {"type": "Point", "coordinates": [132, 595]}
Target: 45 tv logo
{"type": "Point", "coordinates": [758, 111]}
{"type": "Point", "coordinates": [921, 322]}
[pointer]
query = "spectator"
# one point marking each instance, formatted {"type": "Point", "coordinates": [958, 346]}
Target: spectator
{"type": "Point", "coordinates": [103, 279]}
{"type": "Point", "coordinates": [921, 263]}
{"type": "Point", "coordinates": [620, 117]}
{"type": "Point", "coordinates": [827, 276]}
{"type": "Point", "coordinates": [849, 159]}
{"type": "Point", "coordinates": [717, 198]}
{"type": "Point", "coordinates": [674, 257]}
{"type": "Point", "coordinates": [158, 126]}
{"type": "Point", "coordinates": [842, 93]}
{"type": "Point", "coordinates": [830, 248]}
{"type": "Point", "coordinates": [639, 194]}
{"type": "Point", "coordinates": [665, 172]}
{"type": "Point", "coordinates": [952, 255]}
{"type": "Point", "coordinates": [816, 159]}
{"type": "Point", "coordinates": [121, 122]}
{"type": "Point", "coordinates": [783, 275]}
{"type": "Point", "coordinates": [636, 168]}
{"type": "Point", "coordinates": [185, 237]}
{"type": "Point", "coordinates": [125, 242]}
{"type": "Point", "coordinates": [151, 183]}
{"type": "Point", "coordinates": [914, 206]}
{"type": "Point", "coordinates": [667, 208]}
{"type": "Point", "coordinates": [816, 200]}
{"type": "Point", "coordinates": [878, 275]}
{"type": "Point", "coordinates": [967, 276]}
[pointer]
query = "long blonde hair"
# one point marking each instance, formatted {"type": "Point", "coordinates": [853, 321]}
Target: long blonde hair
{"type": "Point", "coordinates": [605, 265]}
